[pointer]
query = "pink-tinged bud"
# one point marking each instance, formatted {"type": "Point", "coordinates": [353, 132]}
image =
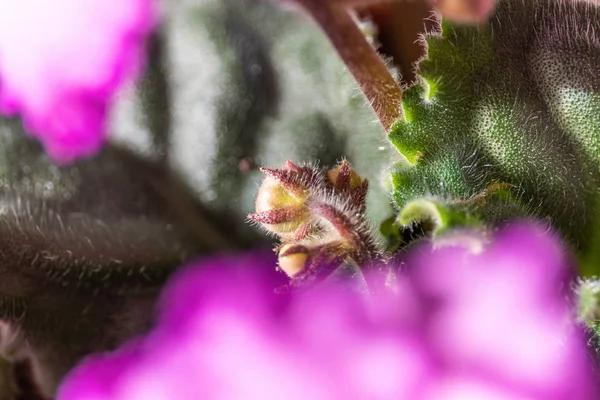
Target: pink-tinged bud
{"type": "Point", "coordinates": [272, 195]}
{"type": "Point", "coordinates": [318, 214]}
{"type": "Point", "coordinates": [347, 181]}
{"type": "Point", "coordinates": [292, 258]}
{"type": "Point", "coordinates": [280, 203]}
{"type": "Point", "coordinates": [343, 177]}
{"type": "Point", "coordinates": [283, 221]}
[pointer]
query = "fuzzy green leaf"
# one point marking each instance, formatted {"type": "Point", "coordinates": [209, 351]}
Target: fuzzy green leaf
{"type": "Point", "coordinates": [513, 104]}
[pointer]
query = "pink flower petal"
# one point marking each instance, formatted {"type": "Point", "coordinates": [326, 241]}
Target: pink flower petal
{"type": "Point", "coordinates": [501, 310]}
{"type": "Point", "coordinates": [489, 322]}
{"type": "Point", "coordinates": [62, 62]}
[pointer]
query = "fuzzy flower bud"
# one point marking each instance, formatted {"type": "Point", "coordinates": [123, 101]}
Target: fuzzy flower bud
{"type": "Point", "coordinates": [281, 201]}
{"type": "Point", "coordinates": [344, 177]}
{"type": "Point", "coordinates": [319, 213]}
{"type": "Point", "coordinates": [292, 258]}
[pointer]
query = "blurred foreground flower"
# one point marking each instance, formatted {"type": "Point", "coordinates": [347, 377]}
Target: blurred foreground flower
{"type": "Point", "coordinates": [466, 11]}
{"type": "Point", "coordinates": [466, 320]}
{"type": "Point", "coordinates": [62, 62]}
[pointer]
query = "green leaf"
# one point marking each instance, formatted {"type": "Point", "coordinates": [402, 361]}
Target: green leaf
{"type": "Point", "coordinates": [512, 104]}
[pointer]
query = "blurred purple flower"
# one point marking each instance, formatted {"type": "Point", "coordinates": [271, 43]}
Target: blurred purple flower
{"type": "Point", "coordinates": [62, 62]}
{"type": "Point", "coordinates": [466, 320]}
{"type": "Point", "coordinates": [498, 316]}
{"type": "Point", "coordinates": [466, 11]}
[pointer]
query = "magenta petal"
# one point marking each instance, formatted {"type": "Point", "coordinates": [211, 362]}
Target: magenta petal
{"type": "Point", "coordinates": [499, 310]}
{"type": "Point", "coordinates": [472, 319]}
{"type": "Point", "coordinates": [100, 376]}
{"type": "Point", "coordinates": [223, 334]}
{"type": "Point", "coordinates": [63, 61]}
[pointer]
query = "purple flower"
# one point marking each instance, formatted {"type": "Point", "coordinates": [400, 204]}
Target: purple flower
{"type": "Point", "coordinates": [499, 318]}
{"type": "Point", "coordinates": [62, 62]}
{"type": "Point", "coordinates": [467, 319]}
{"type": "Point", "coordinates": [466, 11]}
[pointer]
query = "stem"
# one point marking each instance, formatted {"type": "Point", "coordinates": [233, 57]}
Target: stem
{"type": "Point", "coordinates": [399, 26]}
{"type": "Point", "coordinates": [375, 80]}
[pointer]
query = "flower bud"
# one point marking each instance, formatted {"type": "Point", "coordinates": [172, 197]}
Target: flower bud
{"type": "Point", "coordinates": [272, 194]}
{"type": "Point", "coordinates": [344, 177]}
{"type": "Point", "coordinates": [280, 203]}
{"type": "Point", "coordinates": [350, 184]}
{"type": "Point", "coordinates": [292, 258]}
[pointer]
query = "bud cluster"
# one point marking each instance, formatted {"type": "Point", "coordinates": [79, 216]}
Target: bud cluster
{"type": "Point", "coordinates": [318, 215]}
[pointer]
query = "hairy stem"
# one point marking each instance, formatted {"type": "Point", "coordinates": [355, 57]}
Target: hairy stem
{"type": "Point", "coordinates": [399, 26]}
{"type": "Point", "coordinates": [375, 80]}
